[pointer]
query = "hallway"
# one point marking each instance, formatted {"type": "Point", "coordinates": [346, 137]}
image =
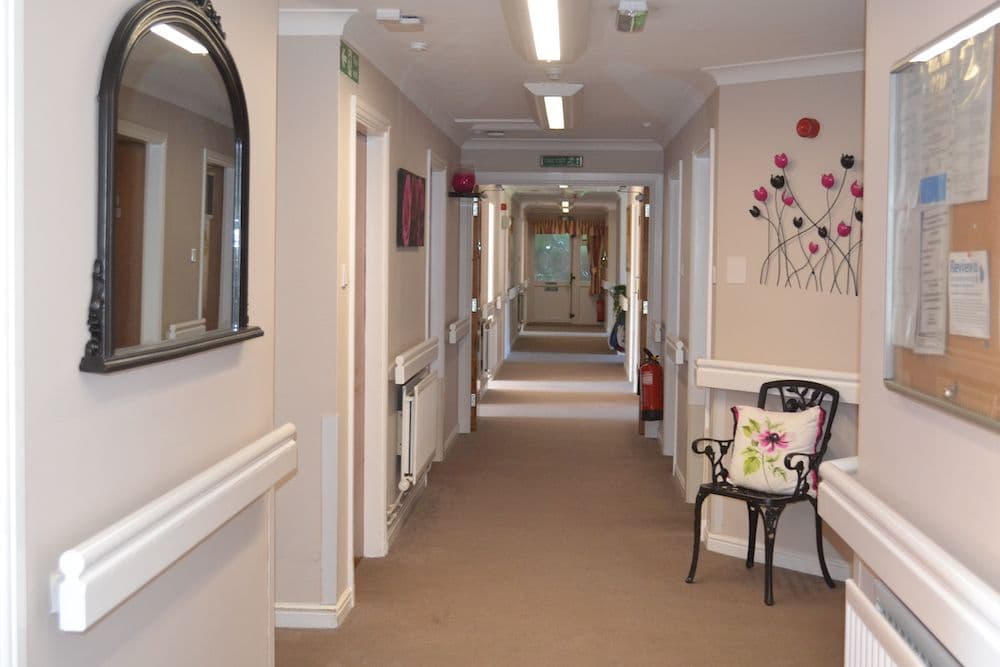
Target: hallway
{"type": "Point", "coordinates": [555, 535]}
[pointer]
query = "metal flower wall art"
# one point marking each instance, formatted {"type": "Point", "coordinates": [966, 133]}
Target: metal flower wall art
{"type": "Point", "coordinates": [814, 252]}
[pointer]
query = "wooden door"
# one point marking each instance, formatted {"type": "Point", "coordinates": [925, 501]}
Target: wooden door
{"type": "Point", "coordinates": [360, 224]}
{"type": "Point", "coordinates": [475, 319]}
{"type": "Point", "coordinates": [130, 202]}
{"type": "Point", "coordinates": [215, 177]}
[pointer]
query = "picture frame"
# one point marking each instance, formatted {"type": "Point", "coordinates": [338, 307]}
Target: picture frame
{"type": "Point", "coordinates": [411, 209]}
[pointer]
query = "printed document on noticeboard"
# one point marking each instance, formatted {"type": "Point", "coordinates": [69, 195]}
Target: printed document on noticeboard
{"type": "Point", "coordinates": [932, 318]}
{"type": "Point", "coordinates": [969, 294]}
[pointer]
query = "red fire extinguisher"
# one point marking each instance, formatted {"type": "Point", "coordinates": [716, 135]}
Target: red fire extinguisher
{"type": "Point", "coordinates": [650, 388]}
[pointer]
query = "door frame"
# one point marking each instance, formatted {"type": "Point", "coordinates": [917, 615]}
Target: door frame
{"type": "Point", "coordinates": [672, 308]}
{"type": "Point", "coordinates": [12, 580]}
{"type": "Point", "coordinates": [436, 266]}
{"type": "Point", "coordinates": [369, 121]}
{"type": "Point", "coordinates": [210, 157]}
{"type": "Point", "coordinates": [467, 214]}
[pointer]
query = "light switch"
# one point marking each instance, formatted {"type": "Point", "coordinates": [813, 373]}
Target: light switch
{"type": "Point", "coordinates": [736, 270]}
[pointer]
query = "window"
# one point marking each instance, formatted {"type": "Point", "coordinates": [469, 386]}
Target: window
{"type": "Point", "coordinates": [584, 273]}
{"type": "Point", "coordinates": [553, 257]}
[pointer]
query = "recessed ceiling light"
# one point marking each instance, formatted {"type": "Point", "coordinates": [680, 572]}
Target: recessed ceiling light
{"type": "Point", "coordinates": [544, 17]}
{"type": "Point", "coordinates": [178, 38]}
{"type": "Point", "coordinates": [563, 186]}
{"type": "Point", "coordinates": [418, 46]}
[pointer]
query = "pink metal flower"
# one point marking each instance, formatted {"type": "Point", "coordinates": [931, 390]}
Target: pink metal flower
{"type": "Point", "coordinates": [827, 180]}
{"type": "Point", "coordinates": [813, 247]}
{"type": "Point", "coordinates": [857, 190]}
{"type": "Point", "coordinates": [787, 199]}
{"type": "Point", "coordinates": [770, 440]}
{"type": "Point", "coordinates": [780, 160]}
{"type": "Point", "coordinates": [844, 229]}
{"type": "Point", "coordinates": [760, 194]}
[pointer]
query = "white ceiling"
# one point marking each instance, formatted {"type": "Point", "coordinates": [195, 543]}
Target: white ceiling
{"type": "Point", "coordinates": [471, 70]}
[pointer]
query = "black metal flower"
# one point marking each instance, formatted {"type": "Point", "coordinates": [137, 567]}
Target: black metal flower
{"type": "Point", "coordinates": [797, 221]}
{"type": "Point", "coordinates": [823, 232]}
{"type": "Point", "coordinates": [777, 181]}
{"type": "Point", "coordinates": [755, 212]}
{"type": "Point", "coordinates": [859, 216]}
{"type": "Point", "coordinates": [846, 161]}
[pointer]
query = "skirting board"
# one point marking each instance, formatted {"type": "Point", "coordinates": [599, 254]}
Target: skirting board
{"type": "Point", "coordinates": [308, 616]}
{"type": "Point", "coordinates": [807, 563]}
{"type": "Point", "coordinates": [449, 442]}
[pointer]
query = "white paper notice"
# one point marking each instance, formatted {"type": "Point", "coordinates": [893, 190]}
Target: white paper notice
{"type": "Point", "coordinates": [969, 294]}
{"type": "Point", "coordinates": [906, 278]}
{"type": "Point", "coordinates": [932, 318]}
{"type": "Point", "coordinates": [969, 173]}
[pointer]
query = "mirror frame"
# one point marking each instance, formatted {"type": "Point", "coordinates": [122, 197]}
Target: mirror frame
{"type": "Point", "coordinates": [200, 18]}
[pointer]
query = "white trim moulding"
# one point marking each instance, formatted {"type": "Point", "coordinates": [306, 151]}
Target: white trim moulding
{"type": "Point", "coordinates": [838, 62]}
{"type": "Point", "coordinates": [958, 607]}
{"type": "Point", "coordinates": [415, 359]}
{"type": "Point", "coordinates": [100, 573]}
{"type": "Point", "coordinates": [638, 145]}
{"type": "Point", "coordinates": [743, 376]}
{"type": "Point", "coordinates": [807, 563]}
{"type": "Point", "coordinates": [313, 22]}
{"type": "Point", "coordinates": [458, 330]}
{"type": "Point", "coordinates": [310, 616]}
{"type": "Point", "coordinates": [674, 349]}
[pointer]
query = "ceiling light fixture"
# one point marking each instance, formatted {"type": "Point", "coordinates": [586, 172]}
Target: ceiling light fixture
{"type": "Point", "coordinates": [178, 38]}
{"type": "Point", "coordinates": [563, 187]}
{"type": "Point", "coordinates": [555, 115]}
{"type": "Point", "coordinates": [631, 15]}
{"type": "Point", "coordinates": [544, 17]}
{"type": "Point", "coordinates": [971, 29]}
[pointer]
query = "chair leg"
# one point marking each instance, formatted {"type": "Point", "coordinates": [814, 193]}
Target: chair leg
{"type": "Point", "coordinates": [752, 538]}
{"type": "Point", "coordinates": [697, 535]}
{"type": "Point", "coordinates": [771, 515]}
{"type": "Point", "coordinates": [819, 549]}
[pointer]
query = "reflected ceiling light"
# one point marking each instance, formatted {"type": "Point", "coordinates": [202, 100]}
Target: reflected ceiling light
{"type": "Point", "coordinates": [565, 204]}
{"type": "Point", "coordinates": [178, 38]}
{"type": "Point", "coordinates": [555, 116]}
{"type": "Point", "coordinates": [971, 29]}
{"type": "Point", "coordinates": [544, 17]}
{"type": "Point", "coordinates": [563, 187]}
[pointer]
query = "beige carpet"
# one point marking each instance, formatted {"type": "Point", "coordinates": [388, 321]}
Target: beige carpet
{"type": "Point", "coordinates": [555, 535]}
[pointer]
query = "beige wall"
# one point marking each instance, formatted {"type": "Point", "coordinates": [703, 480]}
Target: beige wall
{"type": "Point", "coordinates": [188, 135]}
{"type": "Point", "coordinates": [934, 469]}
{"type": "Point", "coordinates": [756, 121]}
{"type": "Point", "coordinates": [121, 440]}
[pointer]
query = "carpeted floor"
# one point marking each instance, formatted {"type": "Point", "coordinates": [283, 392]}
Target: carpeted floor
{"type": "Point", "coordinates": [555, 535]}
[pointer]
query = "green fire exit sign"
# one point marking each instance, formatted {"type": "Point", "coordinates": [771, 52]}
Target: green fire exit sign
{"type": "Point", "coordinates": [350, 63]}
{"type": "Point", "coordinates": [562, 161]}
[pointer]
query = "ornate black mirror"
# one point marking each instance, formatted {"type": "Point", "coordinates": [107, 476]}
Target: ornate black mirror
{"type": "Point", "coordinates": [170, 277]}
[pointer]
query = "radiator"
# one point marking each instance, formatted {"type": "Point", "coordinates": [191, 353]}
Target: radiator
{"type": "Point", "coordinates": [420, 429]}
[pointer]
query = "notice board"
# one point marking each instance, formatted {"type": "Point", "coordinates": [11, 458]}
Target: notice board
{"type": "Point", "coordinates": [943, 319]}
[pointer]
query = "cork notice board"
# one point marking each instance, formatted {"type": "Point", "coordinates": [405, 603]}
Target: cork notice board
{"type": "Point", "coordinates": [943, 319]}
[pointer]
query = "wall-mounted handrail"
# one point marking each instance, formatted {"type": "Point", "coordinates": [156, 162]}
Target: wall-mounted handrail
{"type": "Point", "coordinates": [414, 360]}
{"type": "Point", "coordinates": [98, 574]}
{"type": "Point", "coordinates": [458, 330]}
{"type": "Point", "coordinates": [674, 349]}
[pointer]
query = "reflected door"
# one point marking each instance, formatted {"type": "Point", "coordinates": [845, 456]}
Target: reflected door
{"type": "Point", "coordinates": [130, 197]}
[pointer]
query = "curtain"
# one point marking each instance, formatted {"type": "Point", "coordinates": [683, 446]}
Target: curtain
{"type": "Point", "coordinates": [594, 228]}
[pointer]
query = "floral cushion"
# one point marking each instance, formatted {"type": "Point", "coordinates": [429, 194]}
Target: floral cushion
{"type": "Point", "coordinates": [763, 439]}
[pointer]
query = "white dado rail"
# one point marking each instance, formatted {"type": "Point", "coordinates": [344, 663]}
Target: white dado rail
{"type": "Point", "coordinates": [415, 359]}
{"type": "Point", "coordinates": [99, 574]}
{"type": "Point", "coordinates": [743, 376]}
{"type": "Point", "coordinates": [962, 610]}
{"type": "Point", "coordinates": [458, 330]}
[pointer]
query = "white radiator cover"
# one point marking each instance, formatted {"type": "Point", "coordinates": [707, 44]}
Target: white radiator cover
{"type": "Point", "coordinates": [869, 639]}
{"type": "Point", "coordinates": [420, 429]}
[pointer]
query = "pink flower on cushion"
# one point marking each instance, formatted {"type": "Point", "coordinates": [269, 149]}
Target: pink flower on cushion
{"type": "Point", "coordinates": [769, 440]}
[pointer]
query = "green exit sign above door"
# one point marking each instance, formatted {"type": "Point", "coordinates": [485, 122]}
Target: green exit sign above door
{"type": "Point", "coordinates": [562, 161]}
{"type": "Point", "coordinates": [350, 63]}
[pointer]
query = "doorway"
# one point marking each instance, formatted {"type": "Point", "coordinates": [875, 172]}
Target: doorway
{"type": "Point", "coordinates": [560, 270]}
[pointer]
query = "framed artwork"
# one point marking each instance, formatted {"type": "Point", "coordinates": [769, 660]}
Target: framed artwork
{"type": "Point", "coordinates": [410, 209]}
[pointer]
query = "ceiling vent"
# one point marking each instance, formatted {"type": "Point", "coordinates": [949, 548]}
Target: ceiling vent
{"type": "Point", "coordinates": [631, 15]}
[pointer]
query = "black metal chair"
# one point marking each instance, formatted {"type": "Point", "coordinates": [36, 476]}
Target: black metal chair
{"type": "Point", "coordinates": [795, 396]}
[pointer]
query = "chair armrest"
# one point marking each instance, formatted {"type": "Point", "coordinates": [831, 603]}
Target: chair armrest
{"type": "Point", "coordinates": [707, 446]}
{"type": "Point", "coordinates": [803, 467]}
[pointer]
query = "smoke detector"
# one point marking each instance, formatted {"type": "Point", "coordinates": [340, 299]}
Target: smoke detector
{"type": "Point", "coordinates": [631, 15]}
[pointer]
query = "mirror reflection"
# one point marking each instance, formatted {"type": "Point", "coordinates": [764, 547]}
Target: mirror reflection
{"type": "Point", "coordinates": [174, 195]}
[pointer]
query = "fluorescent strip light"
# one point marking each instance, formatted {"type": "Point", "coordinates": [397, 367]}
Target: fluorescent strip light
{"type": "Point", "coordinates": [554, 115]}
{"type": "Point", "coordinates": [564, 187]}
{"type": "Point", "coordinates": [565, 204]}
{"type": "Point", "coordinates": [544, 16]}
{"type": "Point", "coordinates": [981, 24]}
{"type": "Point", "coordinates": [178, 38]}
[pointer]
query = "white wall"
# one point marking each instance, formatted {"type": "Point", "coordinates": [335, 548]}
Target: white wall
{"type": "Point", "coordinates": [936, 470]}
{"type": "Point", "coordinates": [119, 441]}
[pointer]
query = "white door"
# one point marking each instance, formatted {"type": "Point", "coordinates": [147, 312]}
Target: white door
{"type": "Point", "coordinates": [551, 300]}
